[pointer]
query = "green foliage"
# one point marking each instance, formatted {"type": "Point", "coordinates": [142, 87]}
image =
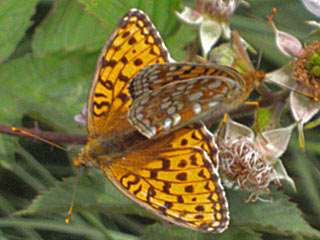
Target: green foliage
{"type": "Point", "coordinates": [48, 61]}
{"type": "Point", "coordinates": [14, 21]}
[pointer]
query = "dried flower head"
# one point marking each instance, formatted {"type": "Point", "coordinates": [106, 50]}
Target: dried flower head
{"type": "Point", "coordinates": [250, 163]}
{"type": "Point", "coordinates": [243, 164]}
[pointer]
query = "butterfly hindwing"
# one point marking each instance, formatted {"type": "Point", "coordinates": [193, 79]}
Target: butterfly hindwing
{"type": "Point", "coordinates": [175, 178]}
{"type": "Point", "coordinates": [168, 96]}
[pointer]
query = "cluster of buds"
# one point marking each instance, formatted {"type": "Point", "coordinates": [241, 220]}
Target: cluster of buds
{"type": "Point", "coordinates": [306, 69]}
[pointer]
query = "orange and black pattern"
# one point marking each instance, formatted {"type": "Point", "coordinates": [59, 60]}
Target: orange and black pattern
{"type": "Point", "coordinates": [174, 176]}
{"type": "Point", "coordinates": [134, 44]}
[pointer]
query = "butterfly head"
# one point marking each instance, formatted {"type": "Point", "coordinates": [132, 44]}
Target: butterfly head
{"type": "Point", "coordinates": [80, 159]}
{"type": "Point", "coordinates": [253, 78]}
{"type": "Point", "coordinates": [259, 76]}
{"type": "Point", "coordinates": [86, 156]}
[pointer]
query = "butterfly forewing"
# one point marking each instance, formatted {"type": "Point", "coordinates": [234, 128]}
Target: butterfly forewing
{"type": "Point", "coordinates": [168, 96]}
{"type": "Point", "coordinates": [134, 44]}
{"type": "Point", "coordinates": [175, 178]}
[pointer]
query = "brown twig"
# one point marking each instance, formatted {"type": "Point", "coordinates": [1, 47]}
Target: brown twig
{"type": "Point", "coordinates": [50, 136]}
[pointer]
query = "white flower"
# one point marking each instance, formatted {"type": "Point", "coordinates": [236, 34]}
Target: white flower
{"type": "Point", "coordinates": [212, 17]}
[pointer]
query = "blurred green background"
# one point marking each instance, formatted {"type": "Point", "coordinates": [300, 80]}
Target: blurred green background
{"type": "Point", "coordinates": [48, 52]}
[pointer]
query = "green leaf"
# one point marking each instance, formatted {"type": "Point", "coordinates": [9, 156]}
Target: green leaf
{"type": "Point", "coordinates": [178, 42]}
{"type": "Point", "coordinates": [110, 11]}
{"type": "Point", "coordinates": [313, 124]}
{"type": "Point", "coordinates": [264, 116]}
{"type": "Point", "coordinates": [173, 232]}
{"type": "Point", "coordinates": [169, 232]}
{"type": "Point", "coordinates": [68, 27]}
{"type": "Point", "coordinates": [160, 12]}
{"type": "Point", "coordinates": [53, 88]}
{"type": "Point", "coordinates": [307, 170]}
{"type": "Point", "coordinates": [278, 216]}
{"type": "Point", "coordinates": [94, 192]}
{"type": "Point", "coordinates": [14, 21]}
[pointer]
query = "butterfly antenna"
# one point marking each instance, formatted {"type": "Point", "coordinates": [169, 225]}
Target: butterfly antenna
{"type": "Point", "coordinates": [80, 169]}
{"type": "Point", "coordinates": [274, 10]}
{"type": "Point", "coordinates": [18, 130]}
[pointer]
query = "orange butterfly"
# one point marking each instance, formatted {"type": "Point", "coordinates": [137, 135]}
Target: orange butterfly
{"type": "Point", "coordinates": [174, 176]}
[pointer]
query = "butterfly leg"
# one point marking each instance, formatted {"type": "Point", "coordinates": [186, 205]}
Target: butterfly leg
{"type": "Point", "coordinates": [256, 115]}
{"type": "Point", "coordinates": [221, 127]}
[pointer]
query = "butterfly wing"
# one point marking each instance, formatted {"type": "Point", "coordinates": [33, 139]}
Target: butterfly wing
{"type": "Point", "coordinates": [168, 96]}
{"type": "Point", "coordinates": [134, 44]}
{"type": "Point", "coordinates": [176, 178]}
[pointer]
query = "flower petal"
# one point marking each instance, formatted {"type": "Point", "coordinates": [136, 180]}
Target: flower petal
{"type": "Point", "coordinates": [303, 109]}
{"type": "Point", "coordinates": [314, 23]}
{"type": "Point", "coordinates": [281, 173]}
{"type": "Point", "coordinates": [288, 44]}
{"type": "Point", "coordinates": [190, 16]}
{"type": "Point", "coordinates": [277, 142]}
{"type": "Point", "coordinates": [210, 32]}
{"type": "Point", "coordinates": [226, 31]}
{"type": "Point", "coordinates": [312, 6]}
{"type": "Point", "coordinates": [235, 130]}
{"type": "Point", "coordinates": [282, 77]}
{"type": "Point", "coordinates": [82, 117]}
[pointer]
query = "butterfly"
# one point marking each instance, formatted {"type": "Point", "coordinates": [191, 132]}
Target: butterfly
{"type": "Point", "coordinates": [167, 96]}
{"type": "Point", "coordinates": [174, 176]}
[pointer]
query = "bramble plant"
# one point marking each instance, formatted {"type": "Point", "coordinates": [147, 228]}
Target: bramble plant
{"type": "Point", "coordinates": [48, 55]}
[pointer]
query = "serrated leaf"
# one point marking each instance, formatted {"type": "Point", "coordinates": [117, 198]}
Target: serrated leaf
{"type": "Point", "coordinates": [54, 87]}
{"type": "Point", "coordinates": [278, 216]}
{"type": "Point", "coordinates": [14, 21]}
{"type": "Point", "coordinates": [68, 27]}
